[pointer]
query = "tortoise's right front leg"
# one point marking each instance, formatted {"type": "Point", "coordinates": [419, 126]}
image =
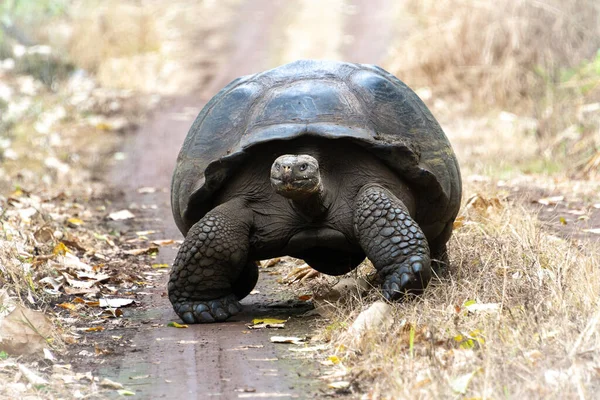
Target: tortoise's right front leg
{"type": "Point", "coordinates": [208, 265]}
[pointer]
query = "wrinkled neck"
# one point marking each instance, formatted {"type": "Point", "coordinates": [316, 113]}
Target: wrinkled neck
{"type": "Point", "coordinates": [312, 205]}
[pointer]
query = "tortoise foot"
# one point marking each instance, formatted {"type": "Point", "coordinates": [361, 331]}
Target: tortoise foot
{"type": "Point", "coordinates": [411, 276]}
{"type": "Point", "coordinates": [205, 311]}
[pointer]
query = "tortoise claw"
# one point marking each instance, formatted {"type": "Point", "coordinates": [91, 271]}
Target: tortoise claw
{"type": "Point", "coordinates": [207, 311]}
{"type": "Point", "coordinates": [410, 277]}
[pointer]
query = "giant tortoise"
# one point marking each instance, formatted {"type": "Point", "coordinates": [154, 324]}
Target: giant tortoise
{"type": "Point", "coordinates": [320, 160]}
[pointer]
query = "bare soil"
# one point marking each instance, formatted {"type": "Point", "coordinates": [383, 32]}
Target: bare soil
{"type": "Point", "coordinates": [226, 360]}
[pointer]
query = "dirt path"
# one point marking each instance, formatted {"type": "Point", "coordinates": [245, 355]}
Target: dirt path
{"type": "Point", "coordinates": [224, 360]}
{"type": "Point", "coordinates": [207, 360]}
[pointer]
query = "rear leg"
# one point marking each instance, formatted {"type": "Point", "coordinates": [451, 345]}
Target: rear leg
{"type": "Point", "coordinates": [439, 252]}
{"type": "Point", "coordinates": [204, 286]}
{"type": "Point", "coordinates": [393, 241]}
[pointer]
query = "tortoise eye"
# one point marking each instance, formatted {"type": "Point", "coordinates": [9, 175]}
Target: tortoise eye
{"type": "Point", "coordinates": [303, 167]}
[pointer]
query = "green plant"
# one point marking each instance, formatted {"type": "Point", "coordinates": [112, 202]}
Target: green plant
{"type": "Point", "coordinates": [17, 17]}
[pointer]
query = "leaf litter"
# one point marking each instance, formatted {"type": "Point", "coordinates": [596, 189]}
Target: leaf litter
{"type": "Point", "coordinates": [62, 266]}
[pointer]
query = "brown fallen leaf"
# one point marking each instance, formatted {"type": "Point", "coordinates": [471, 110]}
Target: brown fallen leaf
{"type": "Point", "coordinates": [107, 383]}
{"type": "Point", "coordinates": [136, 377]}
{"type": "Point", "coordinates": [145, 233]}
{"type": "Point", "coordinates": [163, 242]}
{"type": "Point", "coordinates": [246, 347]}
{"type": "Point", "coordinates": [94, 329]}
{"type": "Point", "coordinates": [144, 250]}
{"type": "Point", "coordinates": [73, 243]}
{"type": "Point", "coordinates": [271, 262]}
{"type": "Point", "coordinates": [480, 203]}
{"type": "Point", "coordinates": [300, 274]}
{"type": "Point", "coordinates": [90, 303]}
{"type": "Point", "coordinates": [100, 351]}
{"type": "Point", "coordinates": [71, 261]}
{"type": "Point", "coordinates": [458, 222]}
{"type": "Point", "coordinates": [95, 276]}
{"type": "Point", "coordinates": [68, 306]}
{"type": "Point", "coordinates": [31, 376]}
{"type": "Point", "coordinates": [112, 313]}
{"type": "Point", "coordinates": [24, 332]}
{"type": "Point", "coordinates": [45, 234]}
{"type": "Point", "coordinates": [288, 339]}
{"type": "Point", "coordinates": [73, 291]}
{"type": "Point", "coordinates": [79, 284]}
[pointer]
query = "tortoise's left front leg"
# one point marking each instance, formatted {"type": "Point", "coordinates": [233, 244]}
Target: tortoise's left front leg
{"type": "Point", "coordinates": [211, 272]}
{"type": "Point", "coordinates": [392, 240]}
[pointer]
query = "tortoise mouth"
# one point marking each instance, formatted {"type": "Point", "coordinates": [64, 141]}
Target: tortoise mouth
{"type": "Point", "coordinates": [298, 187]}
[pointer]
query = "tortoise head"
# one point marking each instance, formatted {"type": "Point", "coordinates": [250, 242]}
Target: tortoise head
{"type": "Point", "coordinates": [296, 176]}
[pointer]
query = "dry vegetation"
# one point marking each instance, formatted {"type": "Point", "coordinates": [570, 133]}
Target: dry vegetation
{"type": "Point", "coordinates": [59, 130]}
{"type": "Point", "coordinates": [498, 52]}
{"type": "Point", "coordinates": [536, 59]}
{"type": "Point", "coordinates": [517, 316]}
{"type": "Point", "coordinates": [516, 85]}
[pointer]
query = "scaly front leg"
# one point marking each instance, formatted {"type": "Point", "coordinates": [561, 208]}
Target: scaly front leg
{"type": "Point", "coordinates": [392, 240]}
{"type": "Point", "coordinates": [210, 261]}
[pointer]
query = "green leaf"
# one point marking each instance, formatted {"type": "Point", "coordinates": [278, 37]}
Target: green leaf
{"type": "Point", "coordinates": [268, 321]}
{"type": "Point", "coordinates": [469, 303]}
{"type": "Point", "coordinates": [177, 325]}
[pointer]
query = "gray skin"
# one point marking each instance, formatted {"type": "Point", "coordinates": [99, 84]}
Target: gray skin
{"type": "Point", "coordinates": [330, 203]}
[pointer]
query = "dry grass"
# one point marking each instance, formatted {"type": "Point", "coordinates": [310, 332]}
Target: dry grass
{"type": "Point", "coordinates": [539, 339]}
{"type": "Point", "coordinates": [143, 45]}
{"type": "Point", "coordinates": [111, 30]}
{"type": "Point", "coordinates": [538, 59]}
{"type": "Point", "coordinates": [496, 51]}
{"type": "Point", "coordinates": [536, 333]}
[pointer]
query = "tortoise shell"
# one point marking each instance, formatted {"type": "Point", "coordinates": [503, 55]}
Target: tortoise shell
{"type": "Point", "coordinates": [327, 99]}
